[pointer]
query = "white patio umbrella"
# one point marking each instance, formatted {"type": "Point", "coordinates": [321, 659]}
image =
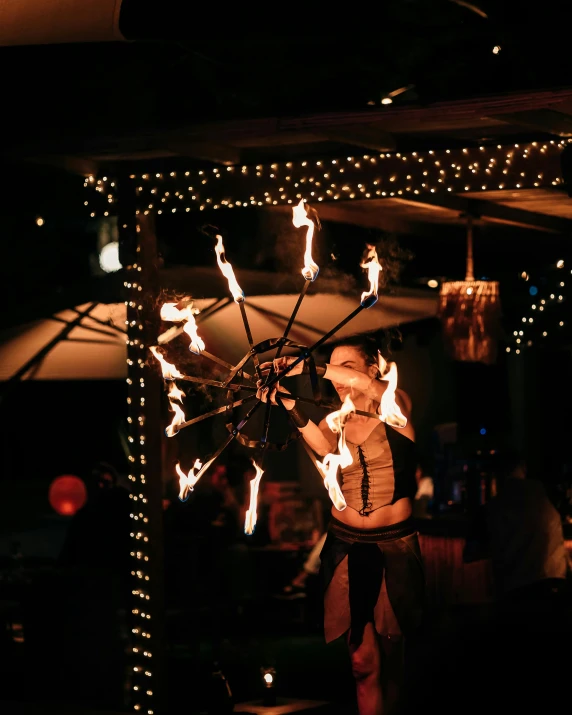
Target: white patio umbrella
{"type": "Point", "coordinates": [224, 334]}
{"type": "Point", "coordinates": [87, 342]}
{"type": "Point", "coordinates": [82, 343]}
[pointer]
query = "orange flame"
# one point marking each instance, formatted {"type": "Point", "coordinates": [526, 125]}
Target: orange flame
{"type": "Point", "coordinates": [332, 462]}
{"type": "Point", "coordinates": [250, 519]}
{"type": "Point", "coordinates": [179, 416]}
{"type": "Point", "coordinates": [187, 481]}
{"type": "Point", "coordinates": [175, 393]}
{"type": "Point", "coordinates": [172, 314]}
{"type": "Point", "coordinates": [373, 267]}
{"type": "Point", "coordinates": [197, 343]}
{"type": "Point", "coordinates": [299, 219]}
{"type": "Point", "coordinates": [227, 271]}
{"type": "Point", "coordinates": [389, 410]}
{"type": "Point", "coordinates": [336, 420]}
{"type": "Point", "coordinates": [170, 372]}
{"type": "Point", "coordinates": [186, 315]}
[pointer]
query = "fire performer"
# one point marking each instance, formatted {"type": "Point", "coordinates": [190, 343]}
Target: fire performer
{"type": "Point", "coordinates": [371, 564]}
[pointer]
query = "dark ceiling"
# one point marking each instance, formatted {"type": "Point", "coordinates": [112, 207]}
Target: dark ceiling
{"type": "Point", "coordinates": [171, 90]}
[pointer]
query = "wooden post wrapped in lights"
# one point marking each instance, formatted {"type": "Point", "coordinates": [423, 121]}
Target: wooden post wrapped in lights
{"type": "Point", "coordinates": [470, 313]}
{"type": "Point", "coordinates": [145, 457]}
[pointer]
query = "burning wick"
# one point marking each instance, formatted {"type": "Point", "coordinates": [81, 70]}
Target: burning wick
{"type": "Point", "coordinates": [299, 219]}
{"type": "Point", "coordinates": [170, 313]}
{"type": "Point", "coordinates": [238, 296]}
{"type": "Point", "coordinates": [250, 519]}
{"type": "Point", "coordinates": [179, 417]}
{"type": "Point", "coordinates": [170, 372]}
{"type": "Point", "coordinates": [187, 481]}
{"type": "Point", "coordinates": [310, 270]}
{"type": "Point", "coordinates": [389, 410]}
{"type": "Point", "coordinates": [197, 344]}
{"type": "Point", "coordinates": [373, 268]}
{"type": "Point", "coordinates": [227, 271]}
{"type": "Point", "coordinates": [329, 467]}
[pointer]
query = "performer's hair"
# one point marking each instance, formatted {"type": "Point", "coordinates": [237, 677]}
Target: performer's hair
{"type": "Point", "coordinates": [366, 343]}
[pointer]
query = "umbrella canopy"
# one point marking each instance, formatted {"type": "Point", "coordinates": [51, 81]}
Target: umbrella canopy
{"type": "Point", "coordinates": [88, 342]}
{"type": "Point", "coordinates": [83, 343]}
{"type": "Point", "coordinates": [224, 334]}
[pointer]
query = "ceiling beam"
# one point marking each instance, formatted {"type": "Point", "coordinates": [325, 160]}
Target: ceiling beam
{"type": "Point", "coordinates": [373, 217]}
{"type": "Point", "coordinates": [72, 164]}
{"type": "Point", "coordinates": [213, 152]}
{"type": "Point", "coordinates": [377, 218]}
{"type": "Point", "coordinates": [346, 212]}
{"type": "Point", "coordinates": [493, 212]}
{"type": "Point", "coordinates": [545, 120]}
{"type": "Point", "coordinates": [365, 137]}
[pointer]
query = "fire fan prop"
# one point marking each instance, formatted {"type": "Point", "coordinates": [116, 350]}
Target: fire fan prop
{"type": "Point", "coordinates": [241, 387]}
{"type": "Point", "coordinates": [470, 314]}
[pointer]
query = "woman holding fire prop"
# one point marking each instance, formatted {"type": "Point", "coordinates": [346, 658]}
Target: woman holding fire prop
{"type": "Point", "coordinates": [371, 564]}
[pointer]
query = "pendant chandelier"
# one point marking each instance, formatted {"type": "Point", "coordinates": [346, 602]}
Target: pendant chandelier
{"type": "Point", "coordinates": [470, 314]}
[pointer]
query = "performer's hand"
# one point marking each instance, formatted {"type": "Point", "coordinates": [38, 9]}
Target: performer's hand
{"type": "Point", "coordinates": [265, 394]}
{"type": "Point", "coordinates": [281, 363]}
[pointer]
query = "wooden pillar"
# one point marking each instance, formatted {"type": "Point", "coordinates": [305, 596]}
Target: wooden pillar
{"type": "Point", "coordinates": [138, 253]}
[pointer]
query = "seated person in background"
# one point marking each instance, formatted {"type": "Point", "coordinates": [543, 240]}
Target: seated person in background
{"type": "Point", "coordinates": [520, 530]}
{"type": "Point", "coordinates": [311, 567]}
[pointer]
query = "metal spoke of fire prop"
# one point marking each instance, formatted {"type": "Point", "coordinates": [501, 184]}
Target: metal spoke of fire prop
{"type": "Point", "coordinates": [239, 381]}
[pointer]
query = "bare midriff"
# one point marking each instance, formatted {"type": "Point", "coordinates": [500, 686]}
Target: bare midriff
{"type": "Point", "coordinates": [384, 516]}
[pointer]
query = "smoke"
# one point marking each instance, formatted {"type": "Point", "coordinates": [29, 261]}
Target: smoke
{"type": "Point", "coordinates": [282, 249]}
{"type": "Point", "coordinates": [393, 258]}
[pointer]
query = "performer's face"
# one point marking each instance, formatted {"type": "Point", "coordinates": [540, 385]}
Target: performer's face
{"type": "Point", "coordinates": [348, 356]}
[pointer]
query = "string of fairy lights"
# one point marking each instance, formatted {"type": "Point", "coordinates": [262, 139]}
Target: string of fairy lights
{"type": "Point", "coordinates": [544, 323]}
{"type": "Point", "coordinates": [368, 176]}
{"type": "Point", "coordinates": [141, 631]}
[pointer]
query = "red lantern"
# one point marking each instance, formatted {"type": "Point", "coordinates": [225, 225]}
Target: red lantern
{"type": "Point", "coordinates": [67, 494]}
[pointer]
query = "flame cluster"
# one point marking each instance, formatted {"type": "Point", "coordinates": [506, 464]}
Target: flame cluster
{"type": "Point", "coordinates": [389, 410]}
{"type": "Point", "coordinates": [168, 370]}
{"type": "Point", "coordinates": [332, 462]}
{"type": "Point", "coordinates": [170, 312]}
{"type": "Point", "coordinates": [373, 267]}
{"type": "Point", "coordinates": [170, 374]}
{"type": "Point", "coordinates": [250, 519]}
{"type": "Point", "coordinates": [228, 271]}
{"type": "Point", "coordinates": [187, 481]}
{"type": "Point", "coordinates": [300, 218]}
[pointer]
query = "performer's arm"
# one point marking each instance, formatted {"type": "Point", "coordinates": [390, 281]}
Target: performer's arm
{"type": "Point", "coordinates": [319, 437]}
{"type": "Point", "coordinates": [372, 387]}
